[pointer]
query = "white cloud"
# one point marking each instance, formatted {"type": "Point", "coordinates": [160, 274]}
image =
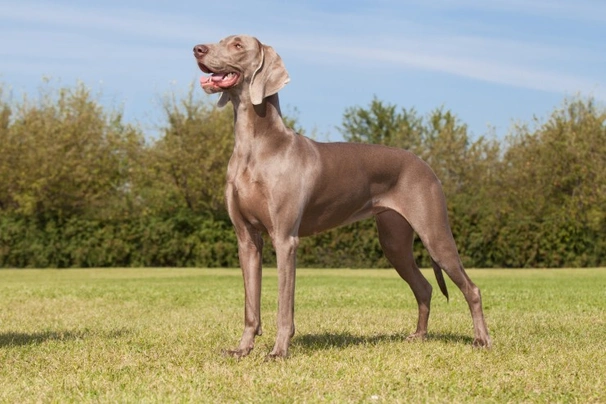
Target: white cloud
{"type": "Point", "coordinates": [383, 35]}
{"type": "Point", "coordinates": [516, 63]}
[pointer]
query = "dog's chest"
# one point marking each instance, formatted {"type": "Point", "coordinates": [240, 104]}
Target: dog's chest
{"type": "Point", "coordinates": [247, 196]}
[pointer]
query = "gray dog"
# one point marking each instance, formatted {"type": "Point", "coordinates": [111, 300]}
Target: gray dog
{"type": "Point", "coordinates": [290, 186]}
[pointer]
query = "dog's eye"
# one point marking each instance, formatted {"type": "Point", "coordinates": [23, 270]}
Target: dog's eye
{"type": "Point", "coordinates": [238, 45]}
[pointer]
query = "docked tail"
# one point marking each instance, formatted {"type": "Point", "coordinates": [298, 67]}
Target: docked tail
{"type": "Point", "coordinates": [440, 278]}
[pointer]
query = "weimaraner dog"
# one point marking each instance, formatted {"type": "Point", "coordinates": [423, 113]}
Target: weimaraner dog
{"type": "Point", "coordinates": [290, 186]}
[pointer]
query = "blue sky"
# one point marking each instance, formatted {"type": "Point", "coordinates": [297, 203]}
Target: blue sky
{"type": "Point", "coordinates": [492, 62]}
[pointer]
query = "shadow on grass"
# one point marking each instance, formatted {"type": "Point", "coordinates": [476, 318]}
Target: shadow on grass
{"type": "Point", "coordinates": [8, 339]}
{"type": "Point", "coordinates": [346, 339]}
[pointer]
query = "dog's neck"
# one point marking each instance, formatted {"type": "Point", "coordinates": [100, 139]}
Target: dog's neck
{"type": "Point", "coordinates": [258, 123]}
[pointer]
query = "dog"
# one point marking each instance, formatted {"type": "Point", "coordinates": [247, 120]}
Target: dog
{"type": "Point", "coordinates": [290, 186]}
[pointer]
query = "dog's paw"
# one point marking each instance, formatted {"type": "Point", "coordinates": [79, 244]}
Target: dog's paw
{"type": "Point", "coordinates": [276, 355]}
{"type": "Point", "coordinates": [483, 342]}
{"type": "Point", "coordinates": [417, 336]}
{"type": "Point", "coordinates": [236, 353]}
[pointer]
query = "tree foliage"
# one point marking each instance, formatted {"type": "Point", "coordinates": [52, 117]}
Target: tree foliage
{"type": "Point", "coordinates": [63, 156]}
{"type": "Point", "coordinates": [191, 156]}
{"type": "Point", "coordinates": [80, 187]}
{"type": "Point", "coordinates": [552, 190]}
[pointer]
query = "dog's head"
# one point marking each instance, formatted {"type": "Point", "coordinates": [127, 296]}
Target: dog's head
{"type": "Point", "coordinates": [240, 65]}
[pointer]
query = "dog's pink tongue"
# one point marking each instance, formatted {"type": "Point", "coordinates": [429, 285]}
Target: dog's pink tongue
{"type": "Point", "coordinates": [205, 81]}
{"type": "Point", "coordinates": [218, 80]}
{"type": "Point", "coordinates": [213, 78]}
{"type": "Point", "coordinates": [216, 77]}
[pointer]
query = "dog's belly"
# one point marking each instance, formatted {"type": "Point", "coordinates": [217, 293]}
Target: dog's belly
{"type": "Point", "coordinates": [318, 218]}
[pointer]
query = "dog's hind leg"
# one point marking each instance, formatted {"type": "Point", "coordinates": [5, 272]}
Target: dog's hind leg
{"type": "Point", "coordinates": [396, 237]}
{"type": "Point", "coordinates": [444, 252]}
{"type": "Point", "coordinates": [429, 218]}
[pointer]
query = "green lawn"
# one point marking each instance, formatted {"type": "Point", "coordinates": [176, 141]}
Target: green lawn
{"type": "Point", "coordinates": [156, 335]}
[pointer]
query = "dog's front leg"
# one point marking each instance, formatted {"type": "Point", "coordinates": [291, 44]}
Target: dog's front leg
{"type": "Point", "coordinates": [250, 247]}
{"type": "Point", "coordinates": [286, 254]}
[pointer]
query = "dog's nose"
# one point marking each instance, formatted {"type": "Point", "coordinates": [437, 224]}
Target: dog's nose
{"type": "Point", "coordinates": [200, 50]}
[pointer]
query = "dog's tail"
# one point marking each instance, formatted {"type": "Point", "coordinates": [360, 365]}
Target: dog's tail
{"type": "Point", "coordinates": [440, 278]}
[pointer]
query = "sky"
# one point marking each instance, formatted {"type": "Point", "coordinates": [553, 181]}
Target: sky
{"type": "Point", "coordinates": [493, 63]}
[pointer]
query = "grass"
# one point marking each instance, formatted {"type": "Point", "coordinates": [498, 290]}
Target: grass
{"type": "Point", "coordinates": [156, 335]}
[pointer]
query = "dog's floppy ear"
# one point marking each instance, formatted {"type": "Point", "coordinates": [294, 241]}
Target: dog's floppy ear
{"type": "Point", "coordinates": [224, 99]}
{"type": "Point", "coordinates": [269, 78]}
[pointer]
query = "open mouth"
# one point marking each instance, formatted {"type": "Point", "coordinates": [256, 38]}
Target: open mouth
{"type": "Point", "coordinates": [217, 81]}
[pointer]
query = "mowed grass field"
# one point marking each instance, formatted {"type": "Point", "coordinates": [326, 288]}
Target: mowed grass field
{"type": "Point", "coordinates": [156, 335]}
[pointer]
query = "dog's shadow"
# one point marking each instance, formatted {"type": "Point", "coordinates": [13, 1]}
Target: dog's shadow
{"type": "Point", "coordinates": [341, 340]}
{"type": "Point", "coordinates": [14, 339]}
